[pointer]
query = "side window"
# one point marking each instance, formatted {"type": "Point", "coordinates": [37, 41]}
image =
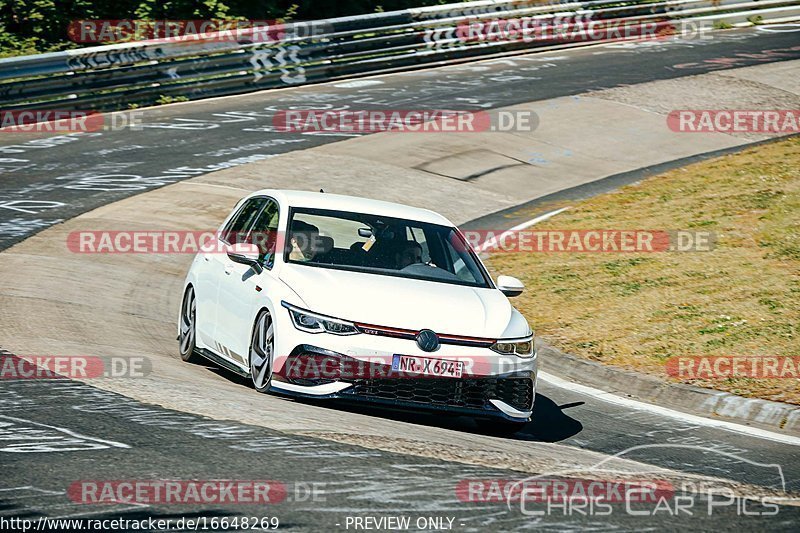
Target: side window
{"type": "Point", "coordinates": [459, 266]}
{"type": "Point", "coordinates": [265, 233]}
{"type": "Point", "coordinates": [238, 228]}
{"type": "Point", "coordinates": [458, 253]}
{"type": "Point", "coordinates": [418, 235]}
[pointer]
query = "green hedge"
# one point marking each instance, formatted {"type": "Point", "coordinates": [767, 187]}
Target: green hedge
{"type": "Point", "coordinates": [34, 26]}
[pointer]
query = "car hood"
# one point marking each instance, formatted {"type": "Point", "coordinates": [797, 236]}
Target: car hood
{"type": "Point", "coordinates": [400, 302]}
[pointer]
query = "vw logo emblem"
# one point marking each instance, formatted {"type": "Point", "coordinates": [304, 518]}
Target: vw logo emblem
{"type": "Point", "coordinates": [427, 341]}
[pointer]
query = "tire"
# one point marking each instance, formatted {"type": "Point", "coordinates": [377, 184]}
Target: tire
{"type": "Point", "coordinates": [188, 332]}
{"type": "Point", "coordinates": [499, 428]}
{"type": "Point", "coordinates": [262, 347]}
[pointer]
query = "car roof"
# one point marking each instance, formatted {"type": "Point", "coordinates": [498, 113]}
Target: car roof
{"type": "Point", "coordinates": [352, 204]}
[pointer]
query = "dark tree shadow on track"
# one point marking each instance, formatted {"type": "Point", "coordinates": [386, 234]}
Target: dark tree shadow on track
{"type": "Point", "coordinates": [549, 421]}
{"type": "Point", "coordinates": [227, 374]}
{"type": "Point", "coordinates": [549, 424]}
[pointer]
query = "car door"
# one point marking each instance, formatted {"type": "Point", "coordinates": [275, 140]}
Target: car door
{"type": "Point", "coordinates": [217, 263]}
{"type": "Point", "coordinates": [241, 288]}
{"type": "Point", "coordinates": [209, 269]}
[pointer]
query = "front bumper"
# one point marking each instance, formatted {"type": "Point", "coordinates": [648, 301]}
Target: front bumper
{"type": "Point", "coordinates": [505, 395]}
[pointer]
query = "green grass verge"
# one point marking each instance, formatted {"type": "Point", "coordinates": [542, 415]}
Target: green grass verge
{"type": "Point", "coordinates": [639, 310]}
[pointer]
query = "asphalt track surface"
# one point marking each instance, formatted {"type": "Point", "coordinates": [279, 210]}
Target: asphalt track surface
{"type": "Point", "coordinates": [186, 140]}
{"type": "Point", "coordinates": [324, 482]}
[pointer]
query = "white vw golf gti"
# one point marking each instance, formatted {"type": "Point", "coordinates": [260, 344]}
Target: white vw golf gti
{"type": "Point", "coordinates": [327, 296]}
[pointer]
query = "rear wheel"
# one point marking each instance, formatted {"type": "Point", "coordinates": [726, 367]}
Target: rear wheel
{"type": "Point", "coordinates": [188, 327]}
{"type": "Point", "coordinates": [261, 351]}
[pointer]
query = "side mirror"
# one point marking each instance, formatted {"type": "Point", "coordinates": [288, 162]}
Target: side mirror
{"type": "Point", "coordinates": [246, 254]}
{"type": "Point", "coordinates": [510, 286]}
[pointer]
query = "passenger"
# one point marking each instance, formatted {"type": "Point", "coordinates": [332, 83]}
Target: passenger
{"type": "Point", "coordinates": [410, 253]}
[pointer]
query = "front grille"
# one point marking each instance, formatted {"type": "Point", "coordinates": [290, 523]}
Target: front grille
{"type": "Point", "coordinates": [468, 393]}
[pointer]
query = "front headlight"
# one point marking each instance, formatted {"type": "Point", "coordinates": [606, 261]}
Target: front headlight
{"type": "Point", "coordinates": [519, 347]}
{"type": "Point", "coordinates": [309, 322]}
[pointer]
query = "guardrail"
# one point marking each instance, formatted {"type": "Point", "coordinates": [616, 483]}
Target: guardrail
{"type": "Point", "coordinates": [117, 76]}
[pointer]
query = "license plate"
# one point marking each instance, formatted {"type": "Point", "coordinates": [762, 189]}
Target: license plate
{"type": "Point", "coordinates": [427, 366]}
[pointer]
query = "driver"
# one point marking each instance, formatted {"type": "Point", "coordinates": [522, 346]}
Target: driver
{"type": "Point", "coordinates": [305, 242]}
{"type": "Point", "coordinates": [409, 253]}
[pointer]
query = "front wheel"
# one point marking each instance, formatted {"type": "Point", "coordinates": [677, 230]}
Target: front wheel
{"type": "Point", "coordinates": [188, 327]}
{"type": "Point", "coordinates": [261, 351]}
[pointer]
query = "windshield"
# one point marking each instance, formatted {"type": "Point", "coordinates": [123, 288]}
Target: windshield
{"type": "Point", "coordinates": [382, 245]}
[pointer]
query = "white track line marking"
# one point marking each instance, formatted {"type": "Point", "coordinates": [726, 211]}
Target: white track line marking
{"type": "Point", "coordinates": [635, 404]}
{"type": "Point", "coordinates": [663, 411]}
{"type": "Point", "coordinates": [195, 184]}
{"type": "Point", "coordinates": [355, 84]}
{"type": "Point", "coordinates": [110, 443]}
{"type": "Point", "coordinates": [520, 227]}
{"type": "Point", "coordinates": [131, 506]}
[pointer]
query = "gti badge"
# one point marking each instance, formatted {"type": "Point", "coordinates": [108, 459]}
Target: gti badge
{"type": "Point", "coordinates": [427, 340]}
